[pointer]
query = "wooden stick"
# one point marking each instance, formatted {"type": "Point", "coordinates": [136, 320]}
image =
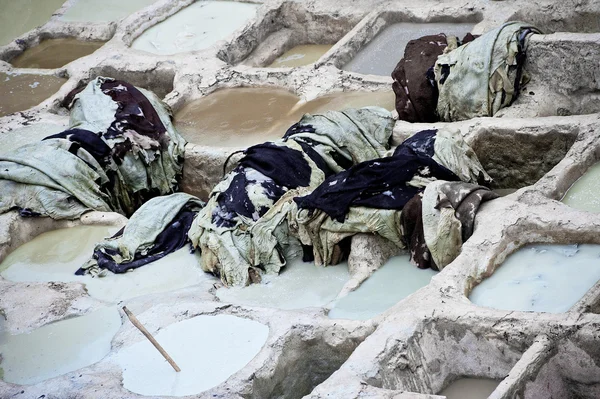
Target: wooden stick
{"type": "Point", "coordinates": [147, 334]}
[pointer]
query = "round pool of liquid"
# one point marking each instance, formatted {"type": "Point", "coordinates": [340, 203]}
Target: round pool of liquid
{"type": "Point", "coordinates": [207, 349]}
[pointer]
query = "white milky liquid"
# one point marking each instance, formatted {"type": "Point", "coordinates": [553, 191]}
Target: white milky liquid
{"type": "Point", "coordinates": [299, 285]}
{"type": "Point", "coordinates": [584, 193]}
{"type": "Point", "coordinates": [196, 27]}
{"type": "Point", "coordinates": [103, 10]}
{"type": "Point", "coordinates": [541, 278]}
{"type": "Point", "coordinates": [207, 349]}
{"type": "Point", "coordinates": [394, 281]}
{"type": "Point", "coordinates": [470, 388]}
{"type": "Point", "coordinates": [56, 255]}
{"type": "Point", "coordinates": [58, 348]}
{"type": "Point", "coordinates": [380, 55]}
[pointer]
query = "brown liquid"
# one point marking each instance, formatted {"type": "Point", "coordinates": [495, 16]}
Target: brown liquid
{"type": "Point", "coordinates": [235, 117]}
{"type": "Point", "coordinates": [470, 388]}
{"type": "Point", "coordinates": [246, 116]}
{"type": "Point", "coordinates": [301, 55]}
{"type": "Point", "coordinates": [55, 53]}
{"type": "Point", "coordinates": [21, 92]}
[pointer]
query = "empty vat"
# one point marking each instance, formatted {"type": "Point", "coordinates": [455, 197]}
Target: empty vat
{"type": "Point", "coordinates": [394, 281]}
{"type": "Point", "coordinates": [196, 27]}
{"type": "Point", "coordinates": [301, 55]}
{"type": "Point", "coordinates": [27, 134]}
{"type": "Point", "coordinates": [19, 17]}
{"type": "Point", "coordinates": [56, 255]}
{"type": "Point", "coordinates": [541, 278]}
{"type": "Point", "coordinates": [470, 388]}
{"type": "Point", "coordinates": [55, 53]}
{"type": "Point", "coordinates": [19, 92]}
{"type": "Point", "coordinates": [102, 10]}
{"type": "Point", "coordinates": [380, 55]}
{"type": "Point", "coordinates": [208, 349]}
{"type": "Point", "coordinates": [237, 117]}
{"type": "Point", "coordinates": [58, 348]}
{"type": "Point", "coordinates": [583, 194]}
{"type": "Point", "coordinates": [299, 285]}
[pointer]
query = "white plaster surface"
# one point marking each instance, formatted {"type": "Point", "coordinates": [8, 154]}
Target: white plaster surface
{"type": "Point", "coordinates": [208, 349]}
{"type": "Point", "coordinates": [28, 134]}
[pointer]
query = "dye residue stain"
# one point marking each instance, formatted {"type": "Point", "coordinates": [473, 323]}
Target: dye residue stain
{"type": "Point", "coordinates": [208, 349]}
{"type": "Point", "coordinates": [380, 56]}
{"type": "Point", "coordinates": [196, 27]}
{"type": "Point", "coordinates": [19, 92]}
{"type": "Point", "coordinates": [394, 281]}
{"type": "Point", "coordinates": [541, 278]}
{"type": "Point", "coordinates": [583, 194]}
{"type": "Point", "coordinates": [299, 285]}
{"type": "Point", "coordinates": [20, 16]}
{"type": "Point", "coordinates": [58, 348]}
{"type": "Point", "coordinates": [55, 53]}
{"type": "Point", "coordinates": [53, 256]}
{"type": "Point", "coordinates": [301, 55]}
{"type": "Point", "coordinates": [470, 388]}
{"type": "Point", "coordinates": [238, 117]}
{"type": "Point", "coordinates": [103, 10]}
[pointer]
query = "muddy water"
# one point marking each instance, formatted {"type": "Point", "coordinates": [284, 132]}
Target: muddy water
{"type": "Point", "coordinates": [196, 27]}
{"type": "Point", "coordinates": [21, 92]}
{"type": "Point", "coordinates": [301, 55]}
{"type": "Point", "coordinates": [58, 348]}
{"type": "Point", "coordinates": [208, 349]}
{"type": "Point", "coordinates": [583, 194]}
{"type": "Point", "coordinates": [102, 10]}
{"type": "Point", "coordinates": [380, 55]}
{"type": "Point", "coordinates": [470, 388]}
{"type": "Point", "coordinates": [541, 278]}
{"type": "Point", "coordinates": [20, 16]}
{"type": "Point", "coordinates": [53, 256]}
{"type": "Point", "coordinates": [394, 281]}
{"type": "Point", "coordinates": [242, 117]}
{"type": "Point", "coordinates": [55, 53]}
{"type": "Point", "coordinates": [235, 117]}
{"type": "Point", "coordinates": [299, 285]}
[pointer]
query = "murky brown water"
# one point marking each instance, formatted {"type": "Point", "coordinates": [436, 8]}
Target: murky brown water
{"type": "Point", "coordinates": [235, 117]}
{"type": "Point", "coordinates": [301, 55]}
{"type": "Point", "coordinates": [243, 117]}
{"type": "Point", "coordinates": [470, 388]}
{"type": "Point", "coordinates": [21, 92]}
{"type": "Point", "coordinates": [55, 53]}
